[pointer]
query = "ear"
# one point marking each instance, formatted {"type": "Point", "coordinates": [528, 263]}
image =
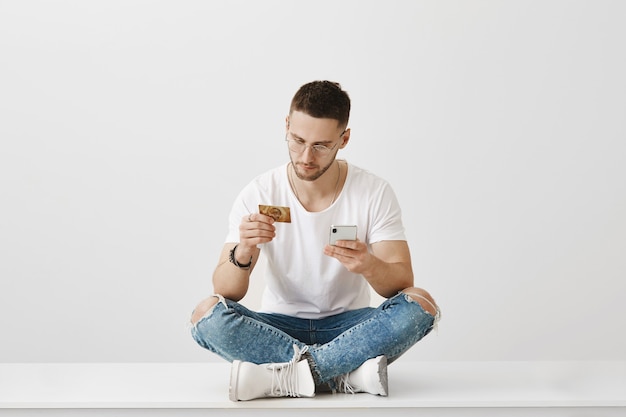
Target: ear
{"type": "Point", "coordinates": [287, 123]}
{"type": "Point", "coordinates": [345, 139]}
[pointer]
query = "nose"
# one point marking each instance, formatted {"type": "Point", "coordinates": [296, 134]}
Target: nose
{"type": "Point", "coordinates": [308, 154]}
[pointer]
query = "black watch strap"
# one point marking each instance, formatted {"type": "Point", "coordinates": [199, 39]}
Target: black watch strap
{"type": "Point", "coordinates": [233, 260]}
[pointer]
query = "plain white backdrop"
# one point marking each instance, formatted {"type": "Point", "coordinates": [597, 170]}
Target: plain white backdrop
{"type": "Point", "coordinates": [128, 127]}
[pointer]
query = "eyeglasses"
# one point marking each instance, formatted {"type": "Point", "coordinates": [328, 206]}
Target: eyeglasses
{"type": "Point", "coordinates": [299, 146]}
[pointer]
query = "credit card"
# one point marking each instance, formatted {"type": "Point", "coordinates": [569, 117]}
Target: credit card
{"type": "Point", "coordinates": [278, 213]}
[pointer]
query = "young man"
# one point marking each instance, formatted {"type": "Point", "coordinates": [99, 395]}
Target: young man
{"type": "Point", "coordinates": [316, 328]}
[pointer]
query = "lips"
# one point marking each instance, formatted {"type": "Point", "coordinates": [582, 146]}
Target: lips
{"type": "Point", "coordinates": [307, 167]}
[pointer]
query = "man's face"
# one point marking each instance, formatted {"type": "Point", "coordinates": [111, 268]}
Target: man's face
{"type": "Point", "coordinates": [304, 133]}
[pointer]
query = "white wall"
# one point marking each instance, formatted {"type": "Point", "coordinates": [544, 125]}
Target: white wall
{"type": "Point", "coordinates": [127, 128]}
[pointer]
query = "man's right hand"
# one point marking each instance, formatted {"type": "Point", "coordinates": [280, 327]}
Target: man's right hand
{"type": "Point", "coordinates": [254, 229]}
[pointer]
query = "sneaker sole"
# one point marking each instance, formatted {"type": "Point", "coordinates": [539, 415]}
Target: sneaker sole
{"type": "Point", "coordinates": [382, 376]}
{"type": "Point", "coordinates": [234, 378]}
{"type": "Point", "coordinates": [306, 384]}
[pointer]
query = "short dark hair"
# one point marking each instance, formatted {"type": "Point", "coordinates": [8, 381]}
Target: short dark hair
{"type": "Point", "coordinates": [322, 99]}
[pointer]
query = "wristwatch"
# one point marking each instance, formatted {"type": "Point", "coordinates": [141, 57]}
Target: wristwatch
{"type": "Point", "coordinates": [233, 260]}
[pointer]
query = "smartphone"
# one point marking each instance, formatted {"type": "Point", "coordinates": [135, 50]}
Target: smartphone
{"type": "Point", "coordinates": [341, 233]}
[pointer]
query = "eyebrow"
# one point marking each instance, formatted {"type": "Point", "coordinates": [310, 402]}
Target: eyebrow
{"type": "Point", "coordinates": [323, 142]}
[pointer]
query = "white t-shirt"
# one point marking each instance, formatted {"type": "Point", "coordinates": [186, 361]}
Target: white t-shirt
{"type": "Point", "coordinates": [300, 280]}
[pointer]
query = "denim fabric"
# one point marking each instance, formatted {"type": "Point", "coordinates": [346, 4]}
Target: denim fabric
{"type": "Point", "coordinates": [337, 344]}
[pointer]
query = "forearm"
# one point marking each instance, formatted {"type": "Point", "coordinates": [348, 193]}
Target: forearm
{"type": "Point", "coordinates": [229, 280]}
{"type": "Point", "coordinates": [387, 268]}
{"type": "Point", "coordinates": [388, 278]}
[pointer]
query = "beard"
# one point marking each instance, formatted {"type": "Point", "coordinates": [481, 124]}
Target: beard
{"type": "Point", "coordinates": [312, 176]}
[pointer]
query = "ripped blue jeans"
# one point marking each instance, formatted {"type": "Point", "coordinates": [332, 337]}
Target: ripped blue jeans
{"type": "Point", "coordinates": [337, 344]}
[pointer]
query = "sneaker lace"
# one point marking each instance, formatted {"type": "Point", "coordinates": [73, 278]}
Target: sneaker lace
{"type": "Point", "coordinates": [285, 375]}
{"type": "Point", "coordinates": [343, 384]}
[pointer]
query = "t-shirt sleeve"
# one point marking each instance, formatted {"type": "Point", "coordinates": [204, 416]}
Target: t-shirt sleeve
{"type": "Point", "coordinates": [387, 219]}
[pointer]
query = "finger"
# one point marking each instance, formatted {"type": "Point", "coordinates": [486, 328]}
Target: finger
{"type": "Point", "coordinates": [348, 244]}
{"type": "Point", "coordinates": [338, 252]}
{"type": "Point", "coordinates": [256, 229]}
{"type": "Point", "coordinates": [257, 240]}
{"type": "Point", "coordinates": [257, 217]}
{"type": "Point", "coordinates": [264, 231]}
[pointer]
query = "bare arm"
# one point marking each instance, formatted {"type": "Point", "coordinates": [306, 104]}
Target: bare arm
{"type": "Point", "coordinates": [229, 280]}
{"type": "Point", "coordinates": [387, 268]}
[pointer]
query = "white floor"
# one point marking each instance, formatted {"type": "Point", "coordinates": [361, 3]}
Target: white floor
{"type": "Point", "coordinates": [430, 388]}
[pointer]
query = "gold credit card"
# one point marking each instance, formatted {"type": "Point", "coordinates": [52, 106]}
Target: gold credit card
{"type": "Point", "coordinates": [278, 213]}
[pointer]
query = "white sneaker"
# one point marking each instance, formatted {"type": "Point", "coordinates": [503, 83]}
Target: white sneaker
{"type": "Point", "coordinates": [289, 379]}
{"type": "Point", "coordinates": [370, 377]}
